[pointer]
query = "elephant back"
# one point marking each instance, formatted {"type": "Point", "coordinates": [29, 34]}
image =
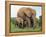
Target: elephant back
{"type": "Point", "coordinates": [26, 11]}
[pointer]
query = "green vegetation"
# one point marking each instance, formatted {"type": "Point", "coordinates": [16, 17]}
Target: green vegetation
{"type": "Point", "coordinates": [38, 28]}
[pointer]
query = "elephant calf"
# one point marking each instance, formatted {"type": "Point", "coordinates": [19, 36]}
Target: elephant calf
{"type": "Point", "coordinates": [19, 22]}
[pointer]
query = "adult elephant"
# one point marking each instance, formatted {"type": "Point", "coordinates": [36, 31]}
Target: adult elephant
{"type": "Point", "coordinates": [28, 14]}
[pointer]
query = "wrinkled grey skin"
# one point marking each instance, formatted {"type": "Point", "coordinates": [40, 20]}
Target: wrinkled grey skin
{"type": "Point", "coordinates": [26, 14]}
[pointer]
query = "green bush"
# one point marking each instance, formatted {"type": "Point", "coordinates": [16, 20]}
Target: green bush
{"type": "Point", "coordinates": [13, 20]}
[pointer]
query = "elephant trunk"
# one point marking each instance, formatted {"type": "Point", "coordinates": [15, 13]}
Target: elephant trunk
{"type": "Point", "coordinates": [32, 21]}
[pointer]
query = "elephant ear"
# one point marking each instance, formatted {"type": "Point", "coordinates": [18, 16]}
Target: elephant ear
{"type": "Point", "coordinates": [34, 12]}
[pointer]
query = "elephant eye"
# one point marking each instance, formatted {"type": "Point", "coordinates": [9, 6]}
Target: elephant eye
{"type": "Point", "coordinates": [32, 14]}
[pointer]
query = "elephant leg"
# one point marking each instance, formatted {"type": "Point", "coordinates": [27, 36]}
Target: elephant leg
{"type": "Point", "coordinates": [22, 24]}
{"type": "Point", "coordinates": [26, 24]}
{"type": "Point", "coordinates": [34, 21]}
{"type": "Point", "coordinates": [18, 25]}
{"type": "Point", "coordinates": [29, 23]}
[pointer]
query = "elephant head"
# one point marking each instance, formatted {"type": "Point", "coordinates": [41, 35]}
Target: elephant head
{"type": "Point", "coordinates": [19, 22]}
